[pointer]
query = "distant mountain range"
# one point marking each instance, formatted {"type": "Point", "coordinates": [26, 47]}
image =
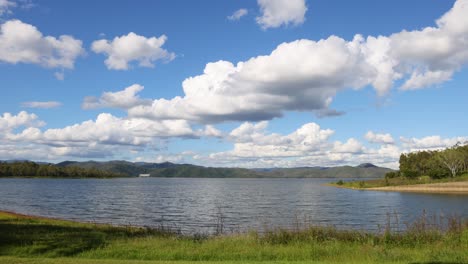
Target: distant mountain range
{"type": "Point", "coordinates": [167, 169]}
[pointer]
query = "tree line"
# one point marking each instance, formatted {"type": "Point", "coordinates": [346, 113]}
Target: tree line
{"type": "Point", "coordinates": [32, 169]}
{"type": "Point", "coordinates": [450, 162]}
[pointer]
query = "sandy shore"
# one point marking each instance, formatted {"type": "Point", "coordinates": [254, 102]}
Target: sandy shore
{"type": "Point", "coordinates": [447, 187]}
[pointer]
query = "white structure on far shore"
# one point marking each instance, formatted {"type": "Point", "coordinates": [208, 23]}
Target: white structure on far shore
{"type": "Point", "coordinates": [143, 175]}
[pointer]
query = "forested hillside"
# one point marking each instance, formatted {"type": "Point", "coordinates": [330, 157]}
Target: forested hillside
{"type": "Point", "coordinates": [167, 169]}
{"type": "Point", "coordinates": [94, 169]}
{"type": "Point", "coordinates": [32, 169]}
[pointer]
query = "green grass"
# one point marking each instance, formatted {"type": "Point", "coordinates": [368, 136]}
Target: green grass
{"type": "Point", "coordinates": [398, 181]}
{"type": "Point", "coordinates": [39, 240]}
{"type": "Point", "coordinates": [14, 260]}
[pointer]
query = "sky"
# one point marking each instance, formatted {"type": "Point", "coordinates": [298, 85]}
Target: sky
{"type": "Point", "coordinates": [255, 84]}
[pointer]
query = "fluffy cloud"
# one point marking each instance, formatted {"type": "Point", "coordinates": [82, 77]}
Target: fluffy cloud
{"type": "Point", "coordinates": [248, 132]}
{"type": "Point", "coordinates": [379, 138]}
{"type": "Point", "coordinates": [98, 138]}
{"type": "Point", "coordinates": [238, 14]}
{"type": "Point", "coordinates": [305, 75]}
{"type": "Point", "coordinates": [431, 142]}
{"type": "Point", "coordinates": [253, 145]}
{"type": "Point", "coordinates": [9, 122]}
{"type": "Point", "coordinates": [132, 47]}
{"type": "Point", "coordinates": [276, 13]}
{"type": "Point", "coordinates": [109, 130]}
{"type": "Point", "coordinates": [428, 78]}
{"type": "Point", "coordinates": [433, 54]}
{"type": "Point", "coordinates": [252, 140]}
{"type": "Point", "coordinates": [23, 43]}
{"type": "Point", "coordinates": [211, 131]}
{"type": "Point", "coordinates": [350, 146]}
{"type": "Point", "coordinates": [45, 105]}
{"type": "Point", "coordinates": [125, 99]}
{"type": "Point", "coordinates": [309, 145]}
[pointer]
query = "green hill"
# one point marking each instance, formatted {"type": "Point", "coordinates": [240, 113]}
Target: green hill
{"type": "Point", "coordinates": [168, 169]}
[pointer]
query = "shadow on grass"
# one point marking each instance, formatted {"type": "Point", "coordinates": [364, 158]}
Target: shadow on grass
{"type": "Point", "coordinates": [436, 262]}
{"type": "Point", "coordinates": [34, 238]}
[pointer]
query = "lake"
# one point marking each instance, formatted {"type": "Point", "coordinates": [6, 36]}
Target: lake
{"type": "Point", "coordinates": [196, 205]}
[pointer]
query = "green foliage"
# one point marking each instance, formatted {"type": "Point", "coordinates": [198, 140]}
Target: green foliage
{"type": "Point", "coordinates": [450, 162]}
{"type": "Point", "coordinates": [31, 169]}
{"type": "Point", "coordinates": [422, 167]}
{"type": "Point", "coordinates": [400, 181]}
{"type": "Point", "coordinates": [340, 182]}
{"type": "Point", "coordinates": [438, 173]}
{"type": "Point", "coordinates": [392, 174]}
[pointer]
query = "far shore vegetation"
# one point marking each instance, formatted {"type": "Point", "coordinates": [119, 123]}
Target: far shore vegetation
{"type": "Point", "coordinates": [27, 239]}
{"type": "Point", "coordinates": [32, 169]}
{"type": "Point", "coordinates": [422, 167]}
{"type": "Point", "coordinates": [120, 168]}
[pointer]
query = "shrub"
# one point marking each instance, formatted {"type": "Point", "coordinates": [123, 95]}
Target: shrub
{"type": "Point", "coordinates": [391, 175]}
{"type": "Point", "coordinates": [439, 173]}
{"type": "Point", "coordinates": [410, 174]}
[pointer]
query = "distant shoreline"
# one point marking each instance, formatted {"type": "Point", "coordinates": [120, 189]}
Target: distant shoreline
{"type": "Point", "coordinates": [118, 169]}
{"type": "Point", "coordinates": [179, 177]}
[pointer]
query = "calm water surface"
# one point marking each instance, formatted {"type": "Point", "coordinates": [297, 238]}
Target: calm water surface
{"type": "Point", "coordinates": [194, 205]}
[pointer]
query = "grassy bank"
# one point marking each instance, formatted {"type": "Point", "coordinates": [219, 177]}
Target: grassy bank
{"type": "Point", "coordinates": [384, 184]}
{"type": "Point", "coordinates": [26, 239]}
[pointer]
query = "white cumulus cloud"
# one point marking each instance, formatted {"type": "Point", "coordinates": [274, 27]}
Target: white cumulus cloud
{"type": "Point", "coordinates": [433, 54]}
{"type": "Point", "coordinates": [121, 51]}
{"type": "Point", "coordinates": [350, 146]}
{"type": "Point", "coordinates": [103, 137]}
{"type": "Point", "coordinates": [379, 138]}
{"type": "Point", "coordinates": [275, 13]}
{"type": "Point", "coordinates": [124, 99]}
{"type": "Point", "coordinates": [425, 79]}
{"type": "Point", "coordinates": [24, 43]}
{"type": "Point", "coordinates": [211, 131]}
{"type": "Point", "coordinates": [309, 145]}
{"type": "Point", "coordinates": [305, 75]}
{"type": "Point", "coordinates": [430, 142]}
{"type": "Point", "coordinates": [9, 121]}
{"type": "Point", "coordinates": [252, 140]}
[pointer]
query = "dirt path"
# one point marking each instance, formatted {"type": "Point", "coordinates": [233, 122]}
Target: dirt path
{"type": "Point", "coordinates": [447, 187]}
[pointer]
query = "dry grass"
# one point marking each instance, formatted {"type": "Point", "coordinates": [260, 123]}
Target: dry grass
{"type": "Point", "coordinates": [448, 187]}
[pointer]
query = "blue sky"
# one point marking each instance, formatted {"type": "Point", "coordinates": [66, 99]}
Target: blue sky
{"type": "Point", "coordinates": [283, 83]}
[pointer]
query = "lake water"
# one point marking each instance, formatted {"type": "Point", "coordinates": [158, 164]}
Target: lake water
{"type": "Point", "coordinates": [195, 205]}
